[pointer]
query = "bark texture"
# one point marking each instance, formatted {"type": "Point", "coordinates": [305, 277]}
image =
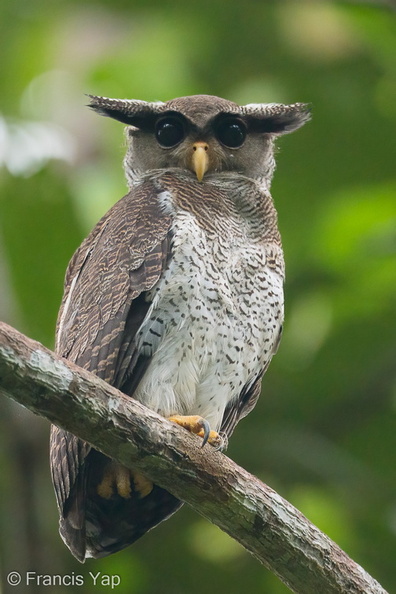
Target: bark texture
{"type": "Point", "coordinates": [276, 533]}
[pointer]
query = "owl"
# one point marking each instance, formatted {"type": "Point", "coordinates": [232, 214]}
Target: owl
{"type": "Point", "coordinates": [175, 298]}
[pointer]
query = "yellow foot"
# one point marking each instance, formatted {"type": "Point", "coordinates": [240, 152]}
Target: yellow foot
{"type": "Point", "coordinates": [199, 426]}
{"type": "Point", "coordinates": [117, 480]}
{"type": "Point", "coordinates": [141, 484]}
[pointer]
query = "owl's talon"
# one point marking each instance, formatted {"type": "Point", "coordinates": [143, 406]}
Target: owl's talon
{"type": "Point", "coordinates": [141, 485]}
{"type": "Point", "coordinates": [116, 480]}
{"type": "Point", "coordinates": [223, 443]}
{"type": "Point", "coordinates": [206, 430]}
{"type": "Point", "coordinates": [199, 426]}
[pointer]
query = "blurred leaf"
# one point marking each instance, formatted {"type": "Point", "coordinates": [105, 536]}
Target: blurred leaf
{"type": "Point", "coordinates": [327, 512]}
{"type": "Point", "coordinates": [324, 430]}
{"type": "Point", "coordinates": [40, 233]}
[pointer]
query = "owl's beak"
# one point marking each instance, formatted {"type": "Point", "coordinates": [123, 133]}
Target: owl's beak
{"type": "Point", "coordinates": [200, 159]}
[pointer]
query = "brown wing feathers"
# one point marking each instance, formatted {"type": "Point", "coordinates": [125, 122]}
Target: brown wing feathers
{"type": "Point", "coordinates": [120, 259]}
{"type": "Point", "coordinates": [103, 306]}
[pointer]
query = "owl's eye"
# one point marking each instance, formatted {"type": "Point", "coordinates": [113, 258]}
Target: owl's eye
{"type": "Point", "coordinates": [231, 133]}
{"type": "Point", "coordinates": [169, 132]}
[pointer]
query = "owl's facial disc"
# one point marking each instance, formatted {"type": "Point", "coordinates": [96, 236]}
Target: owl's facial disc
{"type": "Point", "coordinates": [200, 159]}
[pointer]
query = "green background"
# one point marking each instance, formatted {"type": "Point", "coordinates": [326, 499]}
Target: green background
{"type": "Point", "coordinates": [324, 432]}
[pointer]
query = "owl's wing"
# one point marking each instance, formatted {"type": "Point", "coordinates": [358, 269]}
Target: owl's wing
{"type": "Point", "coordinates": [104, 302]}
{"type": "Point", "coordinates": [247, 400]}
{"type": "Point", "coordinates": [67, 456]}
{"type": "Point", "coordinates": [237, 409]}
{"type": "Point", "coordinates": [103, 306]}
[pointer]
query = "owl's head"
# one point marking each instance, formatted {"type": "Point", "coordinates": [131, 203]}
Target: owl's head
{"type": "Point", "coordinates": [202, 134]}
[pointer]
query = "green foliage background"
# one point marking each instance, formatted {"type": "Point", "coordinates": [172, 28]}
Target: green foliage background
{"type": "Point", "coordinates": [324, 431]}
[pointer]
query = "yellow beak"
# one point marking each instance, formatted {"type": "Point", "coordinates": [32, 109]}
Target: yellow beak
{"type": "Point", "coordinates": [200, 159]}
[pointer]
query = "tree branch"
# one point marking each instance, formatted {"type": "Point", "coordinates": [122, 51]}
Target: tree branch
{"type": "Point", "coordinates": [276, 533]}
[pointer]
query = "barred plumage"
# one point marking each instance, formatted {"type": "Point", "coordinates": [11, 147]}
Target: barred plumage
{"type": "Point", "coordinates": [175, 297]}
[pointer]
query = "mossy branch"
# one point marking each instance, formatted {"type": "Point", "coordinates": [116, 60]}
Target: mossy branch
{"type": "Point", "coordinates": [276, 533]}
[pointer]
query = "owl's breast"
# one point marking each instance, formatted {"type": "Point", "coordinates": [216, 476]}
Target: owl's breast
{"type": "Point", "coordinates": [215, 318]}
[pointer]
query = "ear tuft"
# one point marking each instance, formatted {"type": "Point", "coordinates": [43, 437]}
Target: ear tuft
{"type": "Point", "coordinates": [140, 114]}
{"type": "Point", "coordinates": [277, 118]}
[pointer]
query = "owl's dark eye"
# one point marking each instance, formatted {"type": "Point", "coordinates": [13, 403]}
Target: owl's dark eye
{"type": "Point", "coordinates": [231, 133]}
{"type": "Point", "coordinates": [169, 131]}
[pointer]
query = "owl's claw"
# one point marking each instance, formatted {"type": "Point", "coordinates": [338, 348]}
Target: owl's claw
{"type": "Point", "coordinates": [199, 426]}
{"type": "Point", "coordinates": [118, 480]}
{"type": "Point", "coordinates": [206, 432]}
{"type": "Point", "coordinates": [223, 445]}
